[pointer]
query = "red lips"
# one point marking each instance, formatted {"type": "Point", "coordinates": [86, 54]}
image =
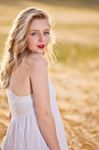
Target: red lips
{"type": "Point", "coordinates": [41, 46]}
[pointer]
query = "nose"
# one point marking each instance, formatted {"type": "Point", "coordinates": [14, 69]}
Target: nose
{"type": "Point", "coordinates": [40, 37]}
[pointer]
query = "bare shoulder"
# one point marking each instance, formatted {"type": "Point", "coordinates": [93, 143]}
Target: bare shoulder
{"type": "Point", "coordinates": [35, 62]}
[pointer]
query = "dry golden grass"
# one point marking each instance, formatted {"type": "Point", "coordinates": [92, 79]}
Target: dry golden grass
{"type": "Point", "coordinates": [77, 97]}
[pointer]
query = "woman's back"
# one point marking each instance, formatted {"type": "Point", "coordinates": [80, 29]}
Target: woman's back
{"type": "Point", "coordinates": [19, 80]}
{"type": "Point", "coordinates": [24, 125]}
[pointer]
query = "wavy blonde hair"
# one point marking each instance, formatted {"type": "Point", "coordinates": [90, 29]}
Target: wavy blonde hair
{"type": "Point", "coordinates": [16, 45]}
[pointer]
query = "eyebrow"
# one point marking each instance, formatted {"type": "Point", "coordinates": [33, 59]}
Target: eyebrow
{"type": "Point", "coordinates": [38, 30]}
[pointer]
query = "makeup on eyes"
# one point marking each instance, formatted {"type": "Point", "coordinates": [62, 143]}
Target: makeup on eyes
{"type": "Point", "coordinates": [45, 33]}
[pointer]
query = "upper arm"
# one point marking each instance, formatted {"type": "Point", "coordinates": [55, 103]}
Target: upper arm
{"type": "Point", "coordinates": [39, 79]}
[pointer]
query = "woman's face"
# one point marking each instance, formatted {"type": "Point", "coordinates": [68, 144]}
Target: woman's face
{"type": "Point", "coordinates": [38, 36]}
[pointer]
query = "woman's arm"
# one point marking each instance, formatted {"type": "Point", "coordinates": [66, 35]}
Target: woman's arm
{"type": "Point", "coordinates": [39, 78]}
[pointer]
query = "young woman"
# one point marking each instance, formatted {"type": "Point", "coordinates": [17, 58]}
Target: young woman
{"type": "Point", "coordinates": [36, 122]}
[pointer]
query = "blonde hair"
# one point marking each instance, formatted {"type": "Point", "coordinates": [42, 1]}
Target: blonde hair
{"type": "Point", "coordinates": [16, 45]}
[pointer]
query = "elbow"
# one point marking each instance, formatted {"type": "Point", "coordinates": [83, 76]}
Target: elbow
{"type": "Point", "coordinates": [45, 116]}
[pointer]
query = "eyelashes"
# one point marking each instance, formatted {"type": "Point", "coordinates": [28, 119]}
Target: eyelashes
{"type": "Point", "coordinates": [46, 33]}
{"type": "Point", "coordinates": [36, 33]}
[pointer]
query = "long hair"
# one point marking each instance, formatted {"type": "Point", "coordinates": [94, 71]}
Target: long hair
{"type": "Point", "coordinates": [16, 44]}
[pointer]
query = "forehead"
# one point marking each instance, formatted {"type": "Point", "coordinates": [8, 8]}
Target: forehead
{"type": "Point", "coordinates": [38, 24]}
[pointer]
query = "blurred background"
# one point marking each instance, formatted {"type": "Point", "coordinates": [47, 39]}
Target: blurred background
{"type": "Point", "coordinates": [75, 74]}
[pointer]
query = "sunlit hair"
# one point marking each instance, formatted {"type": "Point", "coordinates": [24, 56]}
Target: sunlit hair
{"type": "Point", "coordinates": [16, 44]}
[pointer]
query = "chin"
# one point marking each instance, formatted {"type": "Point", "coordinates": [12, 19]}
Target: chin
{"type": "Point", "coordinates": [41, 51]}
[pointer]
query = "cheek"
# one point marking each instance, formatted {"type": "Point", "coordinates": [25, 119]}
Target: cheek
{"type": "Point", "coordinates": [31, 41]}
{"type": "Point", "coordinates": [48, 39]}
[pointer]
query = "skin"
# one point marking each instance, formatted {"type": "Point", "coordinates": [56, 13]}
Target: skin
{"type": "Point", "coordinates": [38, 33]}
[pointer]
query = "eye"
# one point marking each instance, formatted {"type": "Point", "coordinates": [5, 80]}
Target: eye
{"type": "Point", "coordinates": [46, 33]}
{"type": "Point", "coordinates": [33, 33]}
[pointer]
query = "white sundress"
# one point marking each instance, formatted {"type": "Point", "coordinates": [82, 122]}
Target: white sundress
{"type": "Point", "coordinates": [23, 132]}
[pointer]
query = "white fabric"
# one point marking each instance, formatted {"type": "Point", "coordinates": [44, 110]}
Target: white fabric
{"type": "Point", "coordinates": [23, 132]}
